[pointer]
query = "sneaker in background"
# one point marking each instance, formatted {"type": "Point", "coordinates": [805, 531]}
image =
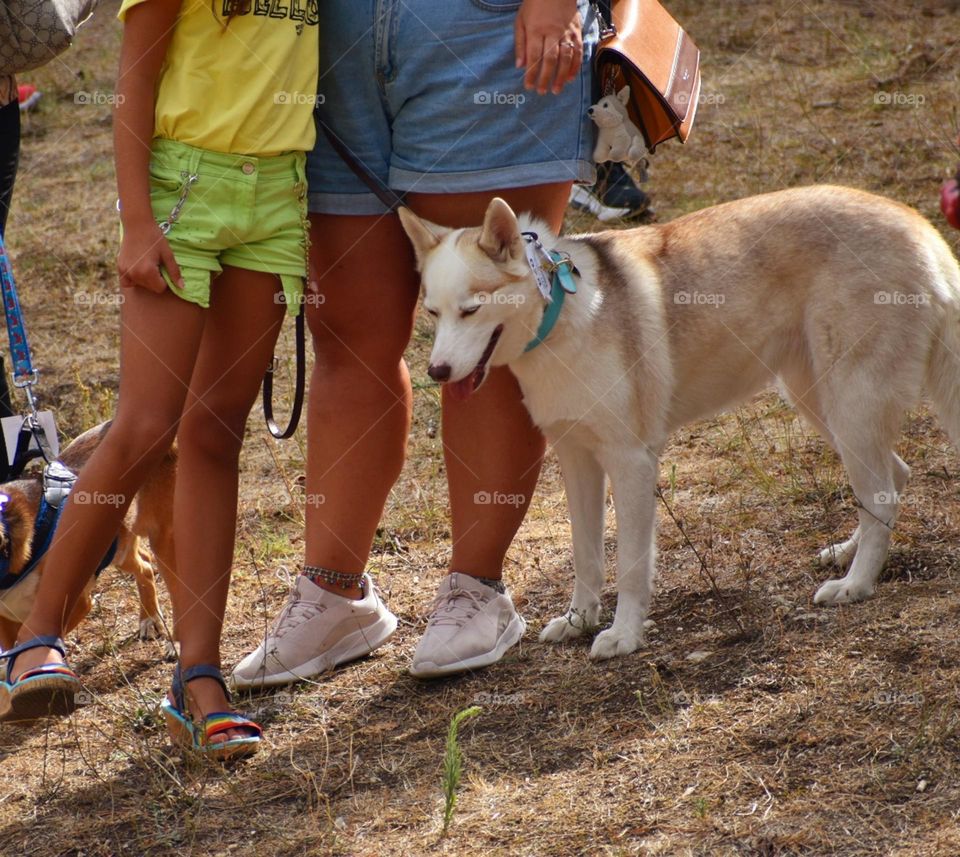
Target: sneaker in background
{"type": "Point", "coordinates": [28, 96]}
{"type": "Point", "coordinates": [615, 196]}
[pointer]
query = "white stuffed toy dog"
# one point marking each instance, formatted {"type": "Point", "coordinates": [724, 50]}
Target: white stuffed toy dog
{"type": "Point", "coordinates": [619, 139]}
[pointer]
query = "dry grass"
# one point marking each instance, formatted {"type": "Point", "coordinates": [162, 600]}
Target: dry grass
{"type": "Point", "coordinates": [809, 732]}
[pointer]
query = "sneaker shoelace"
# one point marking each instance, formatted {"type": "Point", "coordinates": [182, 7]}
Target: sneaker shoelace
{"type": "Point", "coordinates": [455, 607]}
{"type": "Point", "coordinates": [294, 613]}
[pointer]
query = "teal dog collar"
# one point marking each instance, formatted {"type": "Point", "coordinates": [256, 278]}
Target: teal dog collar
{"type": "Point", "coordinates": [554, 274]}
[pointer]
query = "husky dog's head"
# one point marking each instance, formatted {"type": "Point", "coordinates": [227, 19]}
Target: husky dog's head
{"type": "Point", "coordinates": [478, 286]}
{"type": "Point", "coordinates": [611, 110]}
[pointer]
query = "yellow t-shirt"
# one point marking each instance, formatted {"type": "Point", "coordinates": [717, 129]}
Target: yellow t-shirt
{"type": "Point", "coordinates": [247, 87]}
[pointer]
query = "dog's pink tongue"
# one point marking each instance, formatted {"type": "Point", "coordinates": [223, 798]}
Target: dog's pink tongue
{"type": "Point", "coordinates": [460, 390]}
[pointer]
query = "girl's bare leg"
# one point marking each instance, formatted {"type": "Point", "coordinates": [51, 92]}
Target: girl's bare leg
{"type": "Point", "coordinates": [155, 370]}
{"type": "Point", "coordinates": [243, 322]}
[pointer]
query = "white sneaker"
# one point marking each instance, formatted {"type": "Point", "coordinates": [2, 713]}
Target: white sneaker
{"type": "Point", "coordinates": [315, 632]}
{"type": "Point", "coordinates": [471, 625]}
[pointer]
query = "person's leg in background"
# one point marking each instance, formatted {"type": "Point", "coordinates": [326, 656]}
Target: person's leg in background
{"type": "Point", "coordinates": [615, 196]}
{"type": "Point", "coordinates": [9, 146]}
{"type": "Point", "coordinates": [9, 158]}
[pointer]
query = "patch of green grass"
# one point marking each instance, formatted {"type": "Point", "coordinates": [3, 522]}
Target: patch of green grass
{"type": "Point", "coordinates": [453, 764]}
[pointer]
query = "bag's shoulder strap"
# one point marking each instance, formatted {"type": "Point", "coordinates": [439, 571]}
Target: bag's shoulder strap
{"type": "Point", "coordinates": [389, 197]}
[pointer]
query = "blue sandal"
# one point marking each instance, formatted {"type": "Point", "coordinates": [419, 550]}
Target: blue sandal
{"type": "Point", "coordinates": [47, 691]}
{"type": "Point", "coordinates": [196, 737]}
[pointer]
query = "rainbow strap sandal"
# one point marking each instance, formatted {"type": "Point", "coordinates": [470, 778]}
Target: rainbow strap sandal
{"type": "Point", "coordinates": [196, 737]}
{"type": "Point", "coordinates": [47, 691]}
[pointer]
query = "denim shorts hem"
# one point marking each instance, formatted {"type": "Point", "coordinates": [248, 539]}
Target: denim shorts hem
{"type": "Point", "coordinates": [344, 203]}
{"type": "Point", "coordinates": [501, 178]}
{"type": "Point", "coordinates": [497, 178]}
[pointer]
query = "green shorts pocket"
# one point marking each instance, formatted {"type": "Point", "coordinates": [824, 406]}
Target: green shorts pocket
{"type": "Point", "coordinates": [164, 181]}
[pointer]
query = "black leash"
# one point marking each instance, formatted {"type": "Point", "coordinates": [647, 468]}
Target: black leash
{"type": "Point", "coordinates": [272, 427]}
{"type": "Point", "coordinates": [392, 200]}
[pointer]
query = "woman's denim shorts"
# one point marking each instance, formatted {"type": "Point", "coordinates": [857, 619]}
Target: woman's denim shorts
{"type": "Point", "coordinates": [426, 94]}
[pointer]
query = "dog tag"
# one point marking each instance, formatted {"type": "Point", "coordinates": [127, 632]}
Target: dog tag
{"type": "Point", "coordinates": [536, 256]}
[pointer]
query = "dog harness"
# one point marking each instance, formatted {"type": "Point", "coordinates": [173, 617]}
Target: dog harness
{"type": "Point", "coordinates": [58, 480]}
{"type": "Point", "coordinates": [553, 271]}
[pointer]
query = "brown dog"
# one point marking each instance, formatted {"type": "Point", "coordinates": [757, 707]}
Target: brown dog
{"type": "Point", "coordinates": [149, 517]}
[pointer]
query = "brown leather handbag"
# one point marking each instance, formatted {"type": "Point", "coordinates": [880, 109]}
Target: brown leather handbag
{"type": "Point", "coordinates": [642, 46]}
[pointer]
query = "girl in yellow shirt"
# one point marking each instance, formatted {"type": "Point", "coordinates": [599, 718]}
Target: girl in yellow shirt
{"type": "Point", "coordinates": [214, 114]}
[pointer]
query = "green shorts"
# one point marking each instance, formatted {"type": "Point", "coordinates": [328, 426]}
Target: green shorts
{"type": "Point", "coordinates": [220, 209]}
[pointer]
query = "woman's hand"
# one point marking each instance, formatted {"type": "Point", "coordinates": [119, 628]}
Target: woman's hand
{"type": "Point", "coordinates": [549, 43]}
{"type": "Point", "coordinates": [143, 253]}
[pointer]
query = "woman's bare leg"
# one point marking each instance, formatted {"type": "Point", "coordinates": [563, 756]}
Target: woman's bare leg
{"type": "Point", "coordinates": [360, 398]}
{"type": "Point", "coordinates": [490, 444]}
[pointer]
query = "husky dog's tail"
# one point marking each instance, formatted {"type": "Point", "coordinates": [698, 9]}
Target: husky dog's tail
{"type": "Point", "coordinates": [943, 369]}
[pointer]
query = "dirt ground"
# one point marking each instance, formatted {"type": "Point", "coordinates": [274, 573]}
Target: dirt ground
{"type": "Point", "coordinates": [792, 730]}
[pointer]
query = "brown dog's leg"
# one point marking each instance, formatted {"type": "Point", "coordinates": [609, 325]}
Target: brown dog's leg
{"type": "Point", "coordinates": [161, 543]}
{"type": "Point", "coordinates": [130, 560]}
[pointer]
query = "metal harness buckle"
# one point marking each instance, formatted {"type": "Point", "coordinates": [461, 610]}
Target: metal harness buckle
{"type": "Point", "coordinates": [58, 481]}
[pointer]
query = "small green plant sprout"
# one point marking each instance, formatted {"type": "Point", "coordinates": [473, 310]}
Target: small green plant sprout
{"type": "Point", "coordinates": [453, 764]}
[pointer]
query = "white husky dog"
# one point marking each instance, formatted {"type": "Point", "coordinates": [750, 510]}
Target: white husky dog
{"type": "Point", "coordinates": [850, 301]}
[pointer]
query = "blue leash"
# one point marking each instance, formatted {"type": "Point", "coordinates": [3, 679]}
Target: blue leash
{"type": "Point", "coordinates": [23, 372]}
{"type": "Point", "coordinates": [24, 375]}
